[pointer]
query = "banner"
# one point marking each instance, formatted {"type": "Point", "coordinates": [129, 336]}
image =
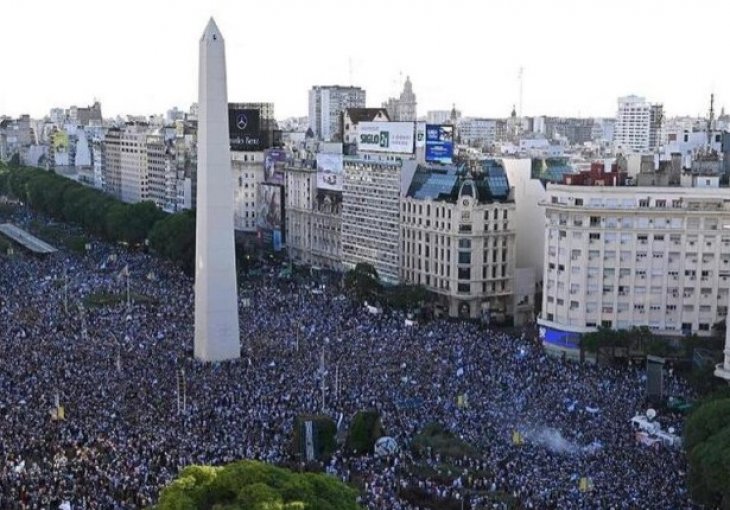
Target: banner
{"type": "Point", "coordinates": [390, 137]}
{"type": "Point", "coordinates": [274, 161]}
{"type": "Point", "coordinates": [329, 171]}
{"type": "Point", "coordinates": [440, 143]}
{"type": "Point", "coordinates": [244, 129]}
{"type": "Point", "coordinates": [420, 134]}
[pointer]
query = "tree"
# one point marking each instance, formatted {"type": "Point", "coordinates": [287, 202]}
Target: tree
{"type": "Point", "coordinates": [707, 440]}
{"type": "Point", "coordinates": [251, 485]}
{"type": "Point", "coordinates": [173, 237]}
{"type": "Point", "coordinates": [363, 281]}
{"type": "Point", "coordinates": [365, 429]}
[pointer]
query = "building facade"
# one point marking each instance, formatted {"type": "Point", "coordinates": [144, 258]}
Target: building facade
{"type": "Point", "coordinates": [313, 219]}
{"type": "Point", "coordinates": [326, 104]}
{"type": "Point", "coordinates": [248, 173]}
{"type": "Point", "coordinates": [458, 239]}
{"type": "Point", "coordinates": [620, 257]}
{"type": "Point", "coordinates": [371, 215]}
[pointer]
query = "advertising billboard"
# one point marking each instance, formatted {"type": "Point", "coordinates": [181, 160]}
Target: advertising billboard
{"type": "Point", "coordinates": [420, 134]}
{"type": "Point", "coordinates": [274, 160]}
{"type": "Point", "coordinates": [329, 171]}
{"type": "Point", "coordinates": [244, 129]}
{"type": "Point", "coordinates": [440, 143]}
{"type": "Point", "coordinates": [268, 210]}
{"type": "Point", "coordinates": [392, 137]}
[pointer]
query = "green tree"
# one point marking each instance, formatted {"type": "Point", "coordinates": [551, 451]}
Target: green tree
{"type": "Point", "coordinates": [707, 441]}
{"type": "Point", "coordinates": [251, 485]}
{"type": "Point", "coordinates": [173, 237]}
{"type": "Point", "coordinates": [365, 429]}
{"type": "Point", "coordinates": [363, 281]}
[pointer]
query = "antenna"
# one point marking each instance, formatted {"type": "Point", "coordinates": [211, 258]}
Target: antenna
{"type": "Point", "coordinates": [349, 65]}
{"type": "Point", "coordinates": [710, 120]}
{"type": "Point", "coordinates": [520, 76]}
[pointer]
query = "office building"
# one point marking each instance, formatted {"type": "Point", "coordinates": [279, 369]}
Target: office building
{"type": "Point", "coordinates": [326, 104]}
{"type": "Point", "coordinates": [371, 215]}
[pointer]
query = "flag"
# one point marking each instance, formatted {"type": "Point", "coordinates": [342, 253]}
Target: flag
{"type": "Point", "coordinates": [585, 484]}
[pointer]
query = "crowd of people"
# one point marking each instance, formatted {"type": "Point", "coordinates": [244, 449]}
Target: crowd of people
{"type": "Point", "coordinates": [119, 373]}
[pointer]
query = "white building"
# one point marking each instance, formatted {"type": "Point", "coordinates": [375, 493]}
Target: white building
{"type": "Point", "coordinates": [638, 125]}
{"type": "Point", "coordinates": [326, 104]}
{"type": "Point", "coordinates": [620, 257]}
{"type": "Point", "coordinates": [248, 173]}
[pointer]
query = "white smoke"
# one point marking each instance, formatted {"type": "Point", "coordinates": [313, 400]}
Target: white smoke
{"type": "Point", "coordinates": [553, 440]}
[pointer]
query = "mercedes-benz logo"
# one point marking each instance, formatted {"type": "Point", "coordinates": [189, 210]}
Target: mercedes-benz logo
{"type": "Point", "coordinates": [241, 121]}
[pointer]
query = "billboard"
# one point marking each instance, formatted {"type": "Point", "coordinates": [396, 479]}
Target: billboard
{"type": "Point", "coordinates": [274, 160]}
{"type": "Point", "coordinates": [440, 143]}
{"type": "Point", "coordinates": [244, 129]}
{"type": "Point", "coordinates": [393, 137]}
{"type": "Point", "coordinates": [420, 134]}
{"type": "Point", "coordinates": [269, 207]}
{"type": "Point", "coordinates": [329, 171]}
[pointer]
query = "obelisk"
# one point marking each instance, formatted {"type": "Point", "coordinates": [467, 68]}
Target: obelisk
{"type": "Point", "coordinates": [216, 294]}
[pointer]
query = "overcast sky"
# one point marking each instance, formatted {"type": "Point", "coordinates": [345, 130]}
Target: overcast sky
{"type": "Point", "coordinates": [140, 57]}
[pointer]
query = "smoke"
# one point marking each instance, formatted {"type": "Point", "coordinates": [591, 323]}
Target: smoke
{"type": "Point", "coordinates": [553, 440]}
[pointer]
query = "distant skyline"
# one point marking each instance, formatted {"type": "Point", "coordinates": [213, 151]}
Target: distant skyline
{"type": "Point", "coordinates": [140, 58]}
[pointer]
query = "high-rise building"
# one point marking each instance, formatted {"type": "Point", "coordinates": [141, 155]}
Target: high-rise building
{"type": "Point", "coordinates": [133, 164]}
{"type": "Point", "coordinates": [326, 104]}
{"type": "Point", "coordinates": [638, 125]}
{"type": "Point", "coordinates": [112, 160]}
{"type": "Point", "coordinates": [157, 167]}
{"type": "Point", "coordinates": [371, 215]}
{"type": "Point", "coordinates": [403, 108]}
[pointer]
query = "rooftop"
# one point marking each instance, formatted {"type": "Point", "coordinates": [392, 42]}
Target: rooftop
{"type": "Point", "coordinates": [447, 182]}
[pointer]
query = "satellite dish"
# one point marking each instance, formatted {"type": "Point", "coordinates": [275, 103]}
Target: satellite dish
{"type": "Point", "coordinates": [651, 413]}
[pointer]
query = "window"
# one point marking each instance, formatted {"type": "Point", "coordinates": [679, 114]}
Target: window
{"type": "Point", "coordinates": [464, 273]}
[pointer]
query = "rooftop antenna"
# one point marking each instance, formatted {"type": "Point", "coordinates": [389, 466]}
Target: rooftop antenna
{"type": "Point", "coordinates": [349, 65]}
{"type": "Point", "coordinates": [520, 77]}
{"type": "Point", "coordinates": [711, 120]}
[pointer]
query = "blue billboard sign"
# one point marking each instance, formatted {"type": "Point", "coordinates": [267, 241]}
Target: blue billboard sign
{"type": "Point", "coordinates": [440, 143]}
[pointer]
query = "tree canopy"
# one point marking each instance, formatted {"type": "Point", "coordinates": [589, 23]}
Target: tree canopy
{"type": "Point", "coordinates": [99, 214]}
{"type": "Point", "coordinates": [252, 485]}
{"type": "Point", "coordinates": [363, 281]}
{"type": "Point", "coordinates": [707, 441]}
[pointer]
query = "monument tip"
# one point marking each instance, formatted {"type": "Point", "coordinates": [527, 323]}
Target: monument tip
{"type": "Point", "coordinates": [211, 32]}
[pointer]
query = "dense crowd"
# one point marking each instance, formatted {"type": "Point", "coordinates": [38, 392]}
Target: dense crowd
{"type": "Point", "coordinates": [116, 372]}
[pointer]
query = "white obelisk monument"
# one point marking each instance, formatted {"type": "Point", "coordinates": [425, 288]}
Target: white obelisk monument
{"type": "Point", "coordinates": [216, 294]}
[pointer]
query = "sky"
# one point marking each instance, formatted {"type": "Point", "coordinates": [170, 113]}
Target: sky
{"type": "Point", "coordinates": [578, 56]}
